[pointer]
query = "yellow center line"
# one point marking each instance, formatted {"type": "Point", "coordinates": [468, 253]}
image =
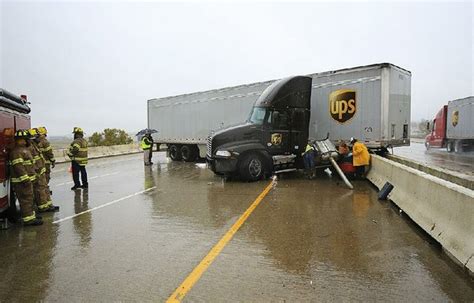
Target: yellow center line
{"type": "Point", "coordinates": [196, 274]}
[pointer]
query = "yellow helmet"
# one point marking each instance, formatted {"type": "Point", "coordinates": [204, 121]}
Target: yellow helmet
{"type": "Point", "coordinates": [42, 130]}
{"type": "Point", "coordinates": [21, 133]}
{"type": "Point", "coordinates": [33, 132]}
{"type": "Point", "coordinates": [77, 130]}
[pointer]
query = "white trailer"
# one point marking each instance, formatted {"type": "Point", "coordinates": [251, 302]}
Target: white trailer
{"type": "Point", "coordinates": [185, 121]}
{"type": "Point", "coordinates": [371, 103]}
{"type": "Point", "coordinates": [460, 124]}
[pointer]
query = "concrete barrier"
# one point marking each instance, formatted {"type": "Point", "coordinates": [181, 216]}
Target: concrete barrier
{"type": "Point", "coordinates": [100, 152]}
{"type": "Point", "coordinates": [443, 209]}
{"type": "Point", "coordinates": [451, 176]}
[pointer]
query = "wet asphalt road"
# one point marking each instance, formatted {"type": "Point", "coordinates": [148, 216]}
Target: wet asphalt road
{"type": "Point", "coordinates": [462, 163]}
{"type": "Point", "coordinates": [306, 241]}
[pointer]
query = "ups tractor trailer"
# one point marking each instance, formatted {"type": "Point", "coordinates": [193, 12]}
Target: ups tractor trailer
{"type": "Point", "coordinates": [453, 126]}
{"type": "Point", "coordinates": [259, 128]}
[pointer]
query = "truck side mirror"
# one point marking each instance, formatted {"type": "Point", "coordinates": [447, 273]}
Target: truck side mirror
{"type": "Point", "coordinates": [428, 126]}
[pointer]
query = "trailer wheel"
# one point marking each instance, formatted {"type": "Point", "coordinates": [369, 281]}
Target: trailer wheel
{"type": "Point", "coordinates": [252, 167]}
{"type": "Point", "coordinates": [189, 153]}
{"type": "Point", "coordinates": [174, 152]}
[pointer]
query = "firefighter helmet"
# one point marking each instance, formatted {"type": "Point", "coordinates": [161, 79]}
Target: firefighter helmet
{"type": "Point", "coordinates": [21, 133]}
{"type": "Point", "coordinates": [77, 130]}
{"type": "Point", "coordinates": [33, 132]}
{"type": "Point", "coordinates": [42, 130]}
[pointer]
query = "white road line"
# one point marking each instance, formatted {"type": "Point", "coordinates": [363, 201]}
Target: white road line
{"type": "Point", "coordinates": [104, 205]}
{"type": "Point", "coordinates": [91, 178]}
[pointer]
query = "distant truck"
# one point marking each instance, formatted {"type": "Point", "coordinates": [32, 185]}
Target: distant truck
{"type": "Point", "coordinates": [14, 114]}
{"type": "Point", "coordinates": [453, 126]}
{"type": "Point", "coordinates": [371, 103]}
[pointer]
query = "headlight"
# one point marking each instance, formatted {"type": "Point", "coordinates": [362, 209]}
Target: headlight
{"type": "Point", "coordinates": [223, 153]}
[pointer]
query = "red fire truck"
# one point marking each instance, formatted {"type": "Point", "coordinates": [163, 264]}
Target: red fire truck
{"type": "Point", "coordinates": [14, 114]}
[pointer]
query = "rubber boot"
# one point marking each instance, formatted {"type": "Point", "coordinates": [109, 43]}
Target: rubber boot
{"type": "Point", "coordinates": [51, 209]}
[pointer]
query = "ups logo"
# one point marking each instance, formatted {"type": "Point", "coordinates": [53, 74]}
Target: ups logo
{"type": "Point", "coordinates": [342, 105]}
{"type": "Point", "coordinates": [276, 139]}
{"type": "Point", "coordinates": [455, 118]}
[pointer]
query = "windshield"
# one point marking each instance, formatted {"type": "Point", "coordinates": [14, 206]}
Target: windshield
{"type": "Point", "coordinates": [259, 116]}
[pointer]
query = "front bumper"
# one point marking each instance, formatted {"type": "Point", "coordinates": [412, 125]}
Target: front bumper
{"type": "Point", "coordinates": [222, 165]}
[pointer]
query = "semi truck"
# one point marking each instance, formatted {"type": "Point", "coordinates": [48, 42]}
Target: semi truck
{"type": "Point", "coordinates": [14, 114]}
{"type": "Point", "coordinates": [453, 126]}
{"type": "Point", "coordinates": [370, 103]}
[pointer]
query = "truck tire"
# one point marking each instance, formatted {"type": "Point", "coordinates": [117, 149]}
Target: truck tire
{"type": "Point", "coordinates": [252, 167]}
{"type": "Point", "coordinates": [189, 153]}
{"type": "Point", "coordinates": [174, 152]}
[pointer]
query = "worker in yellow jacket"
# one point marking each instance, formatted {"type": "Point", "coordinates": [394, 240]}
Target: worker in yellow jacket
{"type": "Point", "coordinates": [308, 158]}
{"type": "Point", "coordinates": [360, 157]}
{"type": "Point", "coordinates": [146, 144]}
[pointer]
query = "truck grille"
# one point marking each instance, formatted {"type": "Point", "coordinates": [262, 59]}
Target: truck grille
{"type": "Point", "coordinates": [209, 146]}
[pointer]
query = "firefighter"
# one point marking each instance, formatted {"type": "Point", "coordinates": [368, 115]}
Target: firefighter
{"type": "Point", "coordinates": [360, 157]}
{"type": "Point", "coordinates": [22, 176]}
{"type": "Point", "coordinates": [147, 146]}
{"type": "Point", "coordinates": [42, 196]}
{"type": "Point", "coordinates": [78, 154]}
{"type": "Point", "coordinates": [46, 151]}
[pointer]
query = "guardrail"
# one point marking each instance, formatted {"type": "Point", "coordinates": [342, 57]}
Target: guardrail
{"type": "Point", "coordinates": [99, 152]}
{"type": "Point", "coordinates": [443, 209]}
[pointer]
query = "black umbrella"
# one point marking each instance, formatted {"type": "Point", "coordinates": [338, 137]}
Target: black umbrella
{"type": "Point", "coordinates": [146, 131]}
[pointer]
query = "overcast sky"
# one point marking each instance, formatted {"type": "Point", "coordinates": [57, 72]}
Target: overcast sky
{"type": "Point", "coordinates": [94, 64]}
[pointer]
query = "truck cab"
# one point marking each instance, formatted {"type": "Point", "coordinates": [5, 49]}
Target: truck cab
{"type": "Point", "coordinates": [272, 139]}
{"type": "Point", "coordinates": [437, 135]}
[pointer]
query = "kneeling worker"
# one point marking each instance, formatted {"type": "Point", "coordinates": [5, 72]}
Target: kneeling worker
{"type": "Point", "coordinates": [360, 157]}
{"type": "Point", "coordinates": [308, 158]}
